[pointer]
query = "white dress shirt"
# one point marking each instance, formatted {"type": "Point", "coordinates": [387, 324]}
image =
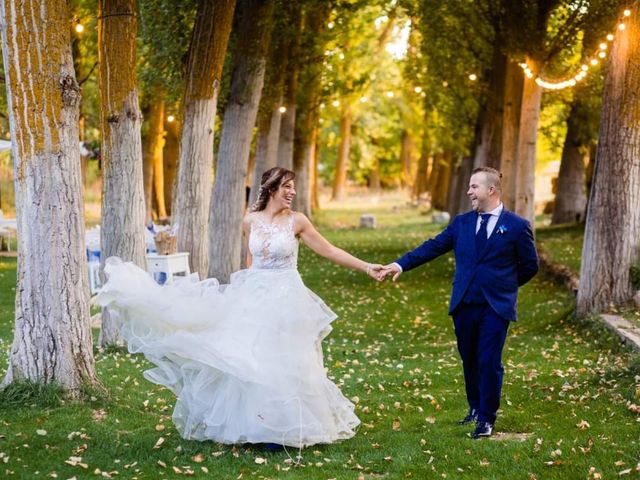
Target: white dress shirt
{"type": "Point", "coordinates": [495, 214]}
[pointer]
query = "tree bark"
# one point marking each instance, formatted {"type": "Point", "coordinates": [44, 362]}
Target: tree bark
{"type": "Point", "coordinates": [487, 151]}
{"type": "Point", "coordinates": [571, 199]}
{"type": "Point", "coordinates": [342, 162]}
{"type": "Point", "coordinates": [527, 139]}
{"type": "Point", "coordinates": [288, 121]}
{"type": "Point", "coordinates": [613, 220]}
{"type": "Point", "coordinates": [512, 106]}
{"type": "Point", "coordinates": [228, 199]}
{"type": "Point", "coordinates": [406, 154]}
{"type": "Point", "coordinates": [123, 214]}
{"type": "Point", "coordinates": [266, 147]}
{"type": "Point", "coordinates": [170, 156]}
{"type": "Point", "coordinates": [192, 196]}
{"type": "Point", "coordinates": [153, 145]}
{"type": "Point", "coordinates": [313, 46]}
{"type": "Point", "coordinates": [315, 187]}
{"type": "Point", "coordinates": [52, 338]}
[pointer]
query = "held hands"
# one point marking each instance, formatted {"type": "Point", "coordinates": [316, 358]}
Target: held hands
{"type": "Point", "coordinates": [380, 272]}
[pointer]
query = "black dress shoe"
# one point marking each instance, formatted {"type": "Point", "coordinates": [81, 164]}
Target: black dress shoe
{"type": "Point", "coordinates": [483, 429]}
{"type": "Point", "coordinates": [472, 416]}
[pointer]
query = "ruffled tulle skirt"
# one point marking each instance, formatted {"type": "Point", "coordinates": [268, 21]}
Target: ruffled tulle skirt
{"type": "Point", "coordinates": [244, 360]}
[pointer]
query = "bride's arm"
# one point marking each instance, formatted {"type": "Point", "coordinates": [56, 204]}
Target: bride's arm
{"type": "Point", "coordinates": [316, 242]}
{"type": "Point", "coordinates": [246, 230]}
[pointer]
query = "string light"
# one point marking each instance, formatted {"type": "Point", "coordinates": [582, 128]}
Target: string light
{"type": "Point", "coordinates": [364, 99]}
{"type": "Point", "coordinates": [79, 28]}
{"type": "Point", "coordinates": [171, 118]}
{"type": "Point", "coordinates": [417, 89]}
{"type": "Point", "coordinates": [390, 94]}
{"type": "Point", "coordinates": [336, 103]}
{"type": "Point", "coordinates": [282, 109]}
{"type": "Point", "coordinates": [473, 77]}
{"type": "Point", "coordinates": [601, 52]}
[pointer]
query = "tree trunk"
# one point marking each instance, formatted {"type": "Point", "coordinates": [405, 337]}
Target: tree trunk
{"type": "Point", "coordinates": [228, 199]}
{"type": "Point", "coordinates": [442, 188]}
{"type": "Point", "coordinates": [288, 122]}
{"type": "Point", "coordinates": [192, 195]}
{"type": "Point", "coordinates": [488, 146]}
{"type": "Point", "coordinates": [147, 174]}
{"type": "Point", "coordinates": [52, 338]}
{"type": "Point", "coordinates": [571, 199]}
{"type": "Point", "coordinates": [342, 162]}
{"type": "Point", "coordinates": [153, 145]}
{"type": "Point", "coordinates": [123, 215]}
{"type": "Point", "coordinates": [528, 135]}
{"type": "Point", "coordinates": [315, 187]}
{"type": "Point", "coordinates": [170, 156]}
{"type": "Point", "coordinates": [613, 221]}
{"type": "Point", "coordinates": [406, 154]}
{"type": "Point", "coordinates": [374, 176]}
{"type": "Point", "coordinates": [512, 106]}
{"type": "Point", "coordinates": [464, 174]}
{"type": "Point", "coordinates": [266, 147]}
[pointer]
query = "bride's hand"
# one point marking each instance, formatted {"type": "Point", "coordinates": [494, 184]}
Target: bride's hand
{"type": "Point", "coordinates": [373, 270]}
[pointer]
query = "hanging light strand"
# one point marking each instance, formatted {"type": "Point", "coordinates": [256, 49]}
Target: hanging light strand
{"type": "Point", "coordinates": [592, 61]}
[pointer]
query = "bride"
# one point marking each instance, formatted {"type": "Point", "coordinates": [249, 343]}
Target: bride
{"type": "Point", "coordinates": [245, 359]}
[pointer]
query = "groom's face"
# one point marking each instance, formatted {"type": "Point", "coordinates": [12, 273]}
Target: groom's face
{"type": "Point", "coordinates": [480, 192]}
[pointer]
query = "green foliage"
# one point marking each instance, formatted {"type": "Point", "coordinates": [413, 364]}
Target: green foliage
{"type": "Point", "coordinates": [164, 34]}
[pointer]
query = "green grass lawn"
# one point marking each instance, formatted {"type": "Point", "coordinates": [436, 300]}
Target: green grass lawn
{"type": "Point", "coordinates": [563, 243]}
{"type": "Point", "coordinates": [567, 400]}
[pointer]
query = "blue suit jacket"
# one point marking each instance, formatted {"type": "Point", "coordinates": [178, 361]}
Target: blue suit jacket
{"type": "Point", "coordinates": [508, 260]}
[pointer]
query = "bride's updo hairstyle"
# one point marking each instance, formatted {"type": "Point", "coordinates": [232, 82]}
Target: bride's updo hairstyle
{"type": "Point", "coordinates": [269, 184]}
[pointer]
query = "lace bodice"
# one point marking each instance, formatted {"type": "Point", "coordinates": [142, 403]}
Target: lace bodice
{"type": "Point", "coordinates": [273, 246]}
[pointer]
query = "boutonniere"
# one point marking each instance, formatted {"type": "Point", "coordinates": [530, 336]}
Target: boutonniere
{"type": "Point", "coordinates": [502, 229]}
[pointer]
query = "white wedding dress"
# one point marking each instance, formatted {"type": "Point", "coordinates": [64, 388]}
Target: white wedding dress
{"type": "Point", "coordinates": [245, 359]}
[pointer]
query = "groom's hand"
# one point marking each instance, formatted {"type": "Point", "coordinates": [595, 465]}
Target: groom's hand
{"type": "Point", "coordinates": [391, 269]}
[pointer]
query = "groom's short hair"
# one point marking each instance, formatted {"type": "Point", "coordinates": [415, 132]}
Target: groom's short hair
{"type": "Point", "coordinates": [494, 177]}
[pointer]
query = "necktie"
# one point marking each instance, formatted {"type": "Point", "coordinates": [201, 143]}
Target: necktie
{"type": "Point", "coordinates": [481, 235]}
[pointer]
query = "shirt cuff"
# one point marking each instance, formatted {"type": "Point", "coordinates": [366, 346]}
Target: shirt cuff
{"type": "Point", "coordinates": [398, 265]}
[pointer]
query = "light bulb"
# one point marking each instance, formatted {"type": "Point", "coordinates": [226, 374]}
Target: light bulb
{"type": "Point", "coordinates": [336, 103]}
{"type": "Point", "coordinates": [594, 62]}
{"type": "Point", "coordinates": [610, 37]}
{"type": "Point", "coordinates": [417, 89]}
{"type": "Point", "coordinates": [626, 13]}
{"type": "Point", "coordinates": [171, 119]}
{"type": "Point", "coordinates": [602, 54]}
{"type": "Point", "coordinates": [622, 26]}
{"type": "Point", "coordinates": [363, 99]}
{"type": "Point", "coordinates": [603, 46]}
{"type": "Point", "coordinates": [282, 109]}
{"type": "Point", "coordinates": [79, 28]}
{"type": "Point", "coordinates": [473, 77]}
{"type": "Point", "coordinates": [584, 68]}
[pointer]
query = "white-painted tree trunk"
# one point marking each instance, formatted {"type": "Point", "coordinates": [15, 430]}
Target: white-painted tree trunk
{"type": "Point", "coordinates": [123, 209]}
{"type": "Point", "coordinates": [228, 198]}
{"type": "Point", "coordinates": [193, 186]}
{"type": "Point", "coordinates": [510, 131]}
{"type": "Point", "coordinates": [192, 194]}
{"type": "Point", "coordinates": [612, 234]}
{"type": "Point", "coordinates": [52, 338]}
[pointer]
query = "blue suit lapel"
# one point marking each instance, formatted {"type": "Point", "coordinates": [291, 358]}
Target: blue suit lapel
{"type": "Point", "coordinates": [471, 232]}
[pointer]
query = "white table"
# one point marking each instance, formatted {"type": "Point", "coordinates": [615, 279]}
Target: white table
{"type": "Point", "coordinates": [171, 265]}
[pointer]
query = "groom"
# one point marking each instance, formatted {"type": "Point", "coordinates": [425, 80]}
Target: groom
{"type": "Point", "coordinates": [495, 254]}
